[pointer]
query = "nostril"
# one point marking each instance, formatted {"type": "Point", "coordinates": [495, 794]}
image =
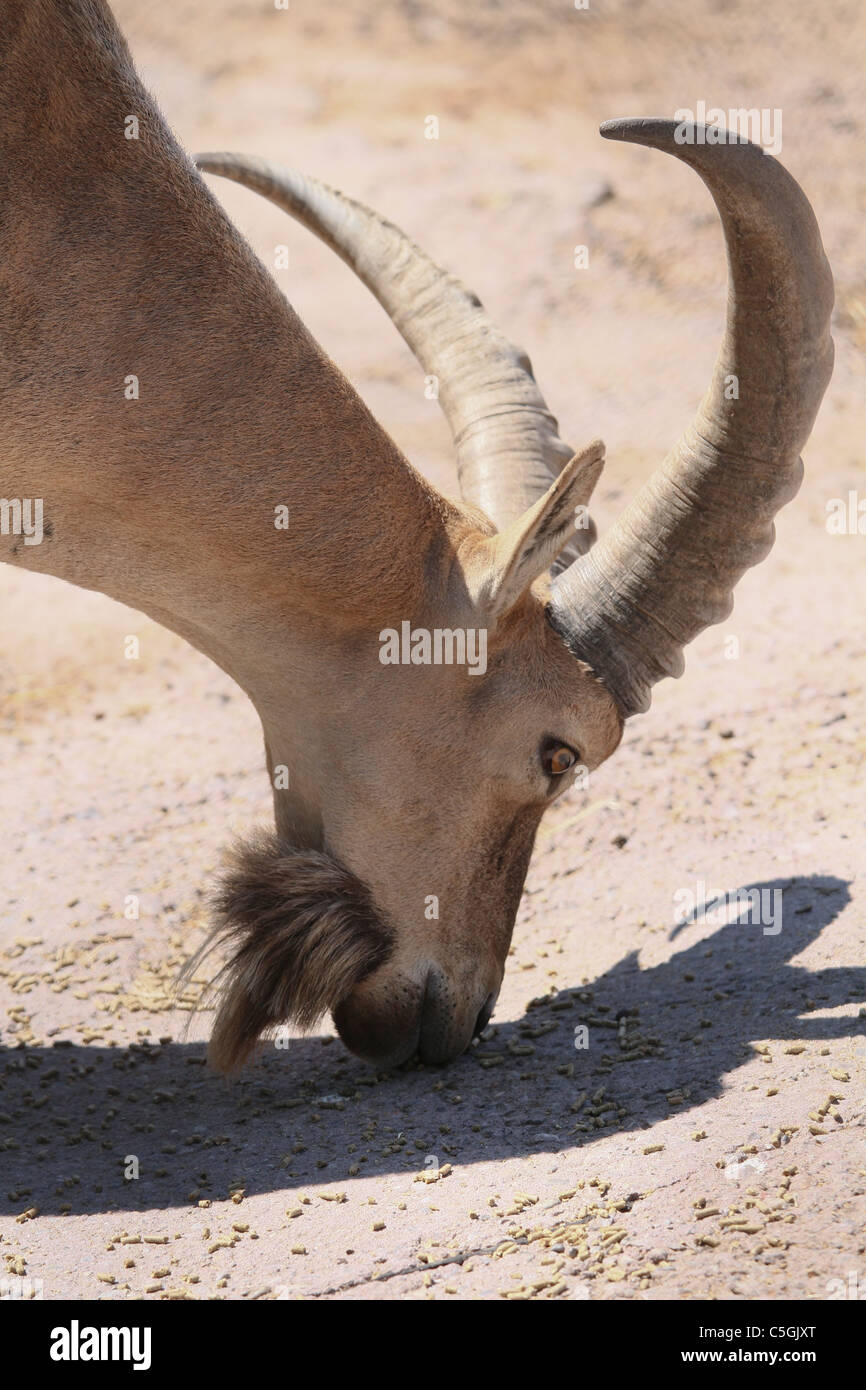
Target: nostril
{"type": "Point", "coordinates": [483, 1018]}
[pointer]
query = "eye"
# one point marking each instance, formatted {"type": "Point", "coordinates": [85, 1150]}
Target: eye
{"type": "Point", "coordinates": [557, 758]}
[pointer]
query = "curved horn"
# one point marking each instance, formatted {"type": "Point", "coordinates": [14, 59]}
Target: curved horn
{"type": "Point", "coordinates": [508, 448]}
{"type": "Point", "coordinates": [667, 567]}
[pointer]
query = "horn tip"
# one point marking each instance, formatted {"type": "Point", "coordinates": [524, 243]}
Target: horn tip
{"type": "Point", "coordinates": [622, 128]}
{"type": "Point", "coordinates": [639, 130]}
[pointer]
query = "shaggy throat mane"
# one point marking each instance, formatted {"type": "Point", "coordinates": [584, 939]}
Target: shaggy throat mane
{"type": "Point", "coordinates": [302, 932]}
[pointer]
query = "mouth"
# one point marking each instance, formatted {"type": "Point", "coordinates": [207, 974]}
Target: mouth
{"type": "Point", "coordinates": [485, 1015]}
{"type": "Point", "coordinates": [424, 1020]}
{"type": "Point", "coordinates": [447, 1029]}
{"type": "Point", "coordinates": [383, 1034]}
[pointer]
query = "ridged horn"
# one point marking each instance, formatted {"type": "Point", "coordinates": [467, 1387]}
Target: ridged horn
{"type": "Point", "coordinates": [667, 568]}
{"type": "Point", "coordinates": [507, 441]}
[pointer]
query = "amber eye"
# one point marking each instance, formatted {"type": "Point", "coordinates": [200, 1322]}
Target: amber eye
{"type": "Point", "coordinates": [557, 758]}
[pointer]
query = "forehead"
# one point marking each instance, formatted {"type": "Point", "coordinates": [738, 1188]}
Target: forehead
{"type": "Point", "coordinates": [534, 687]}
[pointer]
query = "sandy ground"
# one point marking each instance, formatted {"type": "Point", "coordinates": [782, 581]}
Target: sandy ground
{"type": "Point", "coordinates": [710, 1142]}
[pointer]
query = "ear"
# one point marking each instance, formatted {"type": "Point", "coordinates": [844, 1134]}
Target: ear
{"type": "Point", "coordinates": [501, 568]}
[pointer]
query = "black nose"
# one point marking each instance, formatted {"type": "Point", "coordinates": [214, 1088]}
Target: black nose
{"type": "Point", "coordinates": [483, 1018]}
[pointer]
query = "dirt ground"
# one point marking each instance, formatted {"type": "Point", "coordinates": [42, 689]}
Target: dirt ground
{"type": "Point", "coordinates": [710, 1142]}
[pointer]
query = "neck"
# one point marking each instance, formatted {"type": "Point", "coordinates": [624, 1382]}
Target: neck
{"type": "Point", "coordinates": [198, 455]}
